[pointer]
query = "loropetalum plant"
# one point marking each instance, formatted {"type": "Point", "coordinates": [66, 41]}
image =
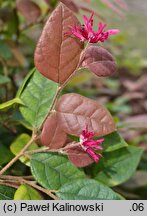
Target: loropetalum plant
{"type": "Point", "coordinates": [75, 151]}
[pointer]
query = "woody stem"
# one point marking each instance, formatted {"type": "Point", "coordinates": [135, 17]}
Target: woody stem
{"type": "Point", "coordinates": [18, 155]}
{"type": "Point", "coordinates": [60, 88]}
{"type": "Point", "coordinates": [61, 150]}
{"type": "Point", "coordinates": [14, 181]}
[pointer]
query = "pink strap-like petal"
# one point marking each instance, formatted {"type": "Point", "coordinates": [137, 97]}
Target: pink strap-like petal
{"type": "Point", "coordinates": [88, 23]}
{"type": "Point", "coordinates": [100, 28]}
{"type": "Point", "coordinates": [93, 144]}
{"type": "Point", "coordinates": [78, 35]}
{"type": "Point", "coordinates": [92, 154]}
{"type": "Point", "coordinates": [113, 31]}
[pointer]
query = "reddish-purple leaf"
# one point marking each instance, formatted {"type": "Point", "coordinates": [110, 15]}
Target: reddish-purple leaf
{"type": "Point", "coordinates": [99, 61]}
{"type": "Point", "coordinates": [57, 54]}
{"type": "Point", "coordinates": [71, 5]}
{"type": "Point", "coordinates": [52, 134]}
{"type": "Point", "coordinates": [75, 111]}
{"type": "Point", "coordinates": [29, 9]}
{"type": "Point", "coordinates": [79, 157]}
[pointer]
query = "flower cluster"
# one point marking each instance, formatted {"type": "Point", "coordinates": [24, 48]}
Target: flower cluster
{"type": "Point", "coordinates": [89, 145]}
{"type": "Point", "coordinates": [86, 32]}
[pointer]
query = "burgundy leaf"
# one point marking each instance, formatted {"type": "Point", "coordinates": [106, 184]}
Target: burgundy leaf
{"type": "Point", "coordinates": [57, 54]}
{"type": "Point", "coordinates": [79, 157]}
{"type": "Point", "coordinates": [75, 111]}
{"type": "Point", "coordinates": [52, 134]}
{"type": "Point", "coordinates": [29, 9]}
{"type": "Point", "coordinates": [99, 61]}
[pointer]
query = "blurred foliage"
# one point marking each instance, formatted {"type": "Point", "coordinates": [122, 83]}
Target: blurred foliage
{"type": "Point", "coordinates": [132, 59]}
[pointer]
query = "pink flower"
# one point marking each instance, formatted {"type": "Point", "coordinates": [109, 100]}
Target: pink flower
{"type": "Point", "coordinates": [91, 145]}
{"type": "Point", "coordinates": [86, 32]}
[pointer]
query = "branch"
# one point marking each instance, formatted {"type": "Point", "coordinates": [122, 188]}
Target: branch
{"type": "Point", "coordinates": [15, 178]}
{"type": "Point", "coordinates": [12, 180]}
{"type": "Point", "coordinates": [46, 191]}
{"type": "Point", "coordinates": [60, 88]}
{"type": "Point", "coordinates": [8, 184]}
{"type": "Point", "coordinates": [60, 150]}
{"type": "Point", "coordinates": [38, 22]}
{"type": "Point", "coordinates": [19, 155]}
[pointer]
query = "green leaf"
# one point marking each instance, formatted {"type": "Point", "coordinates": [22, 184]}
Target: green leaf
{"type": "Point", "coordinates": [10, 103]}
{"type": "Point", "coordinates": [117, 166]}
{"type": "Point", "coordinates": [5, 154]}
{"type": "Point", "coordinates": [18, 118]}
{"type": "Point", "coordinates": [5, 50]}
{"type": "Point", "coordinates": [86, 189]}
{"type": "Point", "coordinates": [26, 124]}
{"type": "Point", "coordinates": [19, 144]}
{"type": "Point", "coordinates": [37, 98]}
{"type": "Point", "coordinates": [25, 192]}
{"type": "Point", "coordinates": [52, 170]}
{"type": "Point", "coordinates": [6, 193]}
{"type": "Point", "coordinates": [113, 142]}
{"type": "Point", "coordinates": [4, 79]}
{"type": "Point", "coordinates": [25, 82]}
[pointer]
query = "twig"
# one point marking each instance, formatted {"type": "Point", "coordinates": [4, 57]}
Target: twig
{"type": "Point", "coordinates": [13, 178]}
{"type": "Point", "coordinates": [6, 180]}
{"type": "Point", "coordinates": [61, 150]}
{"type": "Point", "coordinates": [19, 155]}
{"type": "Point", "coordinates": [32, 24]}
{"type": "Point", "coordinates": [71, 145]}
{"type": "Point", "coordinates": [48, 192]}
{"type": "Point", "coordinates": [8, 184]}
{"type": "Point", "coordinates": [60, 88]}
{"type": "Point", "coordinates": [38, 22]}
